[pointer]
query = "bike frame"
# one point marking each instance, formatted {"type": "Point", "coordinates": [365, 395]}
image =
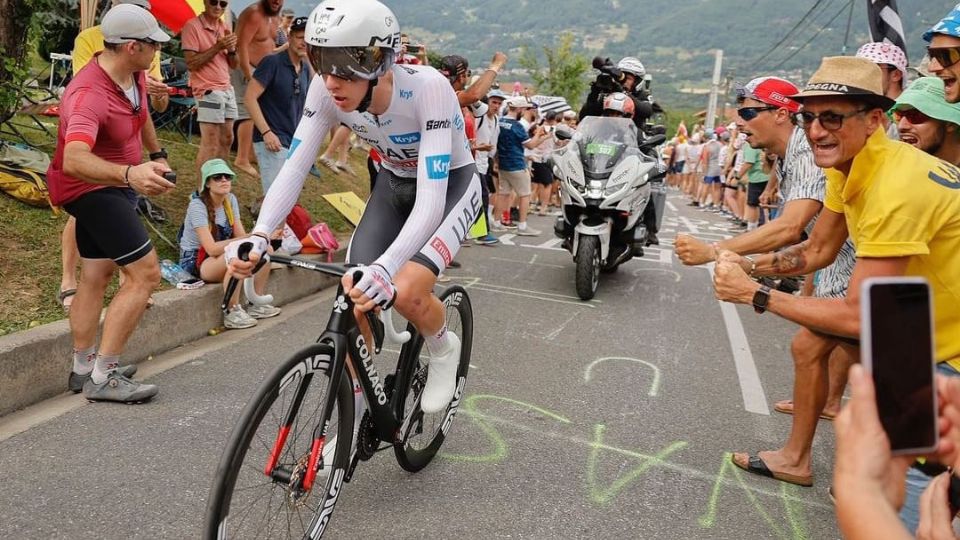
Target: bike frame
{"type": "Point", "coordinates": [344, 335]}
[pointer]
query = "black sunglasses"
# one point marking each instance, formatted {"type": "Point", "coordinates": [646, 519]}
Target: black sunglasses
{"type": "Point", "coordinates": [945, 56]}
{"type": "Point", "coordinates": [913, 116]}
{"type": "Point", "coordinates": [220, 177]}
{"type": "Point", "coordinates": [296, 86]}
{"type": "Point", "coordinates": [749, 113]}
{"type": "Point", "coordinates": [145, 41]}
{"type": "Point", "coordinates": [221, 3]}
{"type": "Point", "coordinates": [829, 120]}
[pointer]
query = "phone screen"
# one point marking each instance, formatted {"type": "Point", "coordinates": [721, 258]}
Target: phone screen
{"type": "Point", "coordinates": [901, 360]}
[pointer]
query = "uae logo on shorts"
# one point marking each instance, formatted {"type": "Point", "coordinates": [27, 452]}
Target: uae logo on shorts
{"type": "Point", "coordinates": [441, 248]}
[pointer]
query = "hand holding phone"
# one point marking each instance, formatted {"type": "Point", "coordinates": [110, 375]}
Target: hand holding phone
{"type": "Point", "coordinates": [170, 176]}
{"type": "Point", "coordinates": [897, 349]}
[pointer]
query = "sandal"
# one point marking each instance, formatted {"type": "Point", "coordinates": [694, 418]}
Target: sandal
{"type": "Point", "coordinates": [63, 298]}
{"type": "Point", "coordinates": [756, 466]}
{"type": "Point", "coordinates": [786, 407]}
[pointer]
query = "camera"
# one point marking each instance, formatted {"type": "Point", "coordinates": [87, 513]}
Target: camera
{"type": "Point", "coordinates": [170, 176]}
{"type": "Point", "coordinates": [610, 78]}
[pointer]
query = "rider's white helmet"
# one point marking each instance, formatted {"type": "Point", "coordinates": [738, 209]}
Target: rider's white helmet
{"type": "Point", "coordinates": [353, 39]}
{"type": "Point", "coordinates": [633, 66]}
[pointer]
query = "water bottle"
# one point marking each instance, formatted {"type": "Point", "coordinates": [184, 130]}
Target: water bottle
{"type": "Point", "coordinates": [170, 271]}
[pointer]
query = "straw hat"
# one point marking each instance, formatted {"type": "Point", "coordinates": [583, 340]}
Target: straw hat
{"type": "Point", "coordinates": [847, 76]}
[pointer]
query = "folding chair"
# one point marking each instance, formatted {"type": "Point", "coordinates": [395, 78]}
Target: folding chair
{"type": "Point", "coordinates": [181, 114]}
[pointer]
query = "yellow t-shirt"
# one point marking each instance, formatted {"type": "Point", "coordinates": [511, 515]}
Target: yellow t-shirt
{"type": "Point", "coordinates": [901, 202]}
{"type": "Point", "coordinates": [90, 42]}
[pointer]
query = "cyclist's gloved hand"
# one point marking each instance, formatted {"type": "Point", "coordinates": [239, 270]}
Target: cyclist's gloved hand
{"type": "Point", "coordinates": [375, 285]}
{"type": "Point", "coordinates": [239, 268]}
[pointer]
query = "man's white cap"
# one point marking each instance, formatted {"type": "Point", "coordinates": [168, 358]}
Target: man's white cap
{"type": "Point", "coordinates": [127, 22]}
{"type": "Point", "coordinates": [519, 102]}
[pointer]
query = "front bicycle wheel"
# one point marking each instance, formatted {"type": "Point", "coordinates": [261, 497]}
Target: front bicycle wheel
{"type": "Point", "coordinates": [422, 434]}
{"type": "Point", "coordinates": [275, 431]}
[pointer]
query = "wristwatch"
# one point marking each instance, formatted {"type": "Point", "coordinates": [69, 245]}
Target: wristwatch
{"type": "Point", "coordinates": [161, 154]}
{"type": "Point", "coordinates": [761, 298]}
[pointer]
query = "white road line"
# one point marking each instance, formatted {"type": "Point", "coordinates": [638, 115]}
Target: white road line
{"type": "Point", "coordinates": [754, 399]}
{"type": "Point", "coordinates": [551, 244]}
{"type": "Point", "coordinates": [671, 206]}
{"type": "Point", "coordinates": [530, 263]}
{"type": "Point", "coordinates": [533, 296]}
{"type": "Point", "coordinates": [507, 239]}
{"type": "Point", "coordinates": [478, 282]}
{"type": "Point", "coordinates": [689, 224]}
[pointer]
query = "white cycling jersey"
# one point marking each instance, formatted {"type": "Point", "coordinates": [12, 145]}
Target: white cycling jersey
{"type": "Point", "coordinates": [421, 135]}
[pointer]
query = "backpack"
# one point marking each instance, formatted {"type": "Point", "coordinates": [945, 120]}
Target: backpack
{"type": "Point", "coordinates": [299, 220]}
{"type": "Point", "coordinates": [26, 186]}
{"type": "Point", "coordinates": [320, 239]}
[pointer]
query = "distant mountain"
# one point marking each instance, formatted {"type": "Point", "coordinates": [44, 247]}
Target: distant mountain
{"type": "Point", "coordinates": [673, 38]}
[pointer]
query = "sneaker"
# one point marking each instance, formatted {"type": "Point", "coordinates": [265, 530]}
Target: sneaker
{"type": "Point", "coordinates": [237, 318]}
{"type": "Point", "coordinates": [509, 225]}
{"type": "Point", "coordinates": [118, 388]}
{"type": "Point", "coordinates": [497, 228]}
{"type": "Point", "coordinates": [346, 168]}
{"type": "Point", "coordinates": [693, 203]}
{"type": "Point", "coordinates": [441, 378]}
{"type": "Point", "coordinates": [652, 239]}
{"type": "Point", "coordinates": [455, 264]}
{"type": "Point", "coordinates": [487, 240]}
{"type": "Point", "coordinates": [315, 171]}
{"type": "Point", "coordinates": [529, 231]}
{"type": "Point", "coordinates": [76, 380]}
{"type": "Point", "coordinates": [263, 312]}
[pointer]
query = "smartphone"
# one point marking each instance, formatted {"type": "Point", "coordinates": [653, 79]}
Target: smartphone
{"type": "Point", "coordinates": [897, 349]}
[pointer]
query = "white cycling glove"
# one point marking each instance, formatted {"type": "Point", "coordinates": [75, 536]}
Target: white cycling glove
{"type": "Point", "coordinates": [260, 245]}
{"type": "Point", "coordinates": [376, 284]}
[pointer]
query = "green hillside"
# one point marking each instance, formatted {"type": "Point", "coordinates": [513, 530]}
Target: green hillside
{"type": "Point", "coordinates": [672, 37]}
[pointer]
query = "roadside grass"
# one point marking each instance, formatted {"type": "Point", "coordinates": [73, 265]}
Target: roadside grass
{"type": "Point", "coordinates": [30, 267]}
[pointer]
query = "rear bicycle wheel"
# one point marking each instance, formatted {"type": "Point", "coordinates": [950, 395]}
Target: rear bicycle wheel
{"type": "Point", "coordinates": [245, 502]}
{"type": "Point", "coordinates": [421, 435]}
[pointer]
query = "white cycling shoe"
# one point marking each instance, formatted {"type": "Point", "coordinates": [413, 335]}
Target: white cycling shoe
{"type": "Point", "coordinates": [441, 378]}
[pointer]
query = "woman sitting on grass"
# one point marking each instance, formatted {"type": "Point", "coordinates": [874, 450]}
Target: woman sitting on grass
{"type": "Point", "coordinates": [211, 222]}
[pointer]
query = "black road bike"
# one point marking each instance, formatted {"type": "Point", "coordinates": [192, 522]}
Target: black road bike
{"type": "Point", "coordinates": [320, 413]}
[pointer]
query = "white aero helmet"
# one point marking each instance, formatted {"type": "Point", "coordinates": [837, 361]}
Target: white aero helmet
{"type": "Point", "coordinates": [619, 102]}
{"type": "Point", "coordinates": [632, 66]}
{"type": "Point", "coordinates": [353, 39]}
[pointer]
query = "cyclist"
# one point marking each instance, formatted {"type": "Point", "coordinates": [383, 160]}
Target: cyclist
{"type": "Point", "coordinates": [427, 192]}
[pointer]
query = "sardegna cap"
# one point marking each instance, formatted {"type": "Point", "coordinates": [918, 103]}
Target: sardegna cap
{"type": "Point", "coordinates": [847, 76]}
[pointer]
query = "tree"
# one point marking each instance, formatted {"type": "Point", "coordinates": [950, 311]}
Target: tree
{"type": "Point", "coordinates": [563, 73]}
{"type": "Point", "coordinates": [14, 22]}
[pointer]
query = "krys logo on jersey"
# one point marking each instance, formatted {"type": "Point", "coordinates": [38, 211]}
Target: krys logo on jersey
{"type": "Point", "coordinates": [406, 138]}
{"type": "Point", "coordinates": [438, 167]}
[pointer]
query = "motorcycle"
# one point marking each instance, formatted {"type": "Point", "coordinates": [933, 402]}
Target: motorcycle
{"type": "Point", "coordinates": [606, 179]}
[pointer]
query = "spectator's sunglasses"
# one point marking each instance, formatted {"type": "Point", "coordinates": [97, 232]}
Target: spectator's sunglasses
{"type": "Point", "coordinates": [749, 113]}
{"type": "Point", "coordinates": [296, 86]}
{"type": "Point", "coordinates": [914, 116]}
{"type": "Point", "coordinates": [221, 3]}
{"type": "Point", "coordinates": [945, 56]}
{"type": "Point", "coordinates": [145, 41]}
{"type": "Point", "coordinates": [829, 120]}
{"type": "Point", "coordinates": [222, 177]}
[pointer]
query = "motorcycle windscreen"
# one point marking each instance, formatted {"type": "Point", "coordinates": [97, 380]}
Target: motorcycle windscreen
{"type": "Point", "coordinates": [604, 141]}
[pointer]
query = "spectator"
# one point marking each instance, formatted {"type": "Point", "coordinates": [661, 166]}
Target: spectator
{"type": "Point", "coordinates": [927, 121]}
{"type": "Point", "coordinates": [210, 50]}
{"type": "Point", "coordinates": [103, 126]}
{"type": "Point", "coordinates": [488, 132]}
{"type": "Point", "coordinates": [944, 38]}
{"type": "Point", "coordinates": [902, 212]}
{"type": "Point", "coordinates": [283, 31]}
{"type": "Point", "coordinates": [90, 42]}
{"type": "Point", "coordinates": [256, 38]}
{"type": "Point", "coordinates": [275, 99]}
{"type": "Point", "coordinates": [765, 116]}
{"type": "Point", "coordinates": [712, 168]}
{"type": "Point", "coordinates": [87, 45]}
{"type": "Point", "coordinates": [339, 146]}
{"type": "Point", "coordinates": [541, 169]}
{"type": "Point", "coordinates": [893, 64]}
{"type": "Point", "coordinates": [408, 52]}
{"type": "Point", "coordinates": [511, 166]}
{"type": "Point", "coordinates": [570, 119]}
{"type": "Point", "coordinates": [691, 168]}
{"type": "Point", "coordinates": [212, 221]}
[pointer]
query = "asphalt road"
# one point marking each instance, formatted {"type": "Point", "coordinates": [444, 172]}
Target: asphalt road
{"type": "Point", "coordinates": [604, 419]}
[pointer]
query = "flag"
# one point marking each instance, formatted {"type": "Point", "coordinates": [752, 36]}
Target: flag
{"type": "Point", "coordinates": [885, 23]}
